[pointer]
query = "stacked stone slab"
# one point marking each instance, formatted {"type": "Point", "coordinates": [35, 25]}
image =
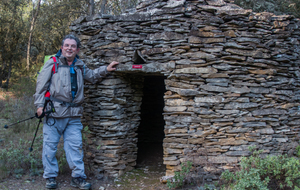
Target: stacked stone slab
{"type": "Point", "coordinates": [232, 82]}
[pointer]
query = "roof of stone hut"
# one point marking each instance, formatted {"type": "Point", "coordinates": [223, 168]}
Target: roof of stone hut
{"type": "Point", "coordinates": [158, 7]}
{"type": "Point", "coordinates": [150, 8]}
{"type": "Point", "coordinates": [218, 6]}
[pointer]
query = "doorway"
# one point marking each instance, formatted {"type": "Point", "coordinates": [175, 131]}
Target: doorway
{"type": "Point", "coordinates": [151, 128]}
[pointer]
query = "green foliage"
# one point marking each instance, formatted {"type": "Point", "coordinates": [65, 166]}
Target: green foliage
{"type": "Point", "coordinates": [298, 150]}
{"type": "Point", "coordinates": [10, 35]}
{"type": "Point", "coordinates": [261, 173]}
{"type": "Point", "coordinates": [16, 158]}
{"type": "Point", "coordinates": [23, 86]}
{"type": "Point", "coordinates": [180, 176]}
{"type": "Point", "coordinates": [85, 133]}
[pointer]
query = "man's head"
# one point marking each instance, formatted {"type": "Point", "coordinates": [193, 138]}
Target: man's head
{"type": "Point", "coordinates": [70, 47]}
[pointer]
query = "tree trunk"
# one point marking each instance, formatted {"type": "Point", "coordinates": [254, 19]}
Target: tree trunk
{"type": "Point", "coordinates": [91, 7]}
{"type": "Point", "coordinates": [103, 5]}
{"type": "Point", "coordinates": [2, 71]}
{"type": "Point", "coordinates": [30, 33]}
{"type": "Point", "coordinates": [9, 73]}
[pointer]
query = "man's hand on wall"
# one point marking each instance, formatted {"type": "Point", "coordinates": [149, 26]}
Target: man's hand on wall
{"type": "Point", "coordinates": [112, 66]}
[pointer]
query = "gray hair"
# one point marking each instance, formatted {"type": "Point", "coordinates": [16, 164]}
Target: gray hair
{"type": "Point", "coordinates": [73, 37]}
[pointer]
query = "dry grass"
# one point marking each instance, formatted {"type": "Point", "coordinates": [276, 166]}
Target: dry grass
{"type": "Point", "coordinates": [4, 94]}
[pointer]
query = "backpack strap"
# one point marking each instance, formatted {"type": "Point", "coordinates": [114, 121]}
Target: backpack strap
{"type": "Point", "coordinates": [55, 66]}
{"type": "Point", "coordinates": [54, 70]}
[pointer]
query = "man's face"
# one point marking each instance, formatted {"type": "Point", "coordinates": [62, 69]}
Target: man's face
{"type": "Point", "coordinates": [69, 49]}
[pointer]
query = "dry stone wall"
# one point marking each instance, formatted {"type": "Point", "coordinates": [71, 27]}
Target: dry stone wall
{"type": "Point", "coordinates": [232, 82]}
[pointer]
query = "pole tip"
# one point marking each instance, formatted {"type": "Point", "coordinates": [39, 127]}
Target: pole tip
{"type": "Point", "coordinates": [30, 149]}
{"type": "Point", "coordinates": [5, 126]}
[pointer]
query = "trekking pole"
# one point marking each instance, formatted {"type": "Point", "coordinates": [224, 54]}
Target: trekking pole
{"type": "Point", "coordinates": [40, 118]}
{"type": "Point", "coordinates": [40, 121]}
{"type": "Point", "coordinates": [6, 126]}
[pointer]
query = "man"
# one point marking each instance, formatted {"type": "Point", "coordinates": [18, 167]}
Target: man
{"type": "Point", "coordinates": [65, 85]}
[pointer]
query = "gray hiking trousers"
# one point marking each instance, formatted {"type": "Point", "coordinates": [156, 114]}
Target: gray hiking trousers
{"type": "Point", "coordinates": [70, 128]}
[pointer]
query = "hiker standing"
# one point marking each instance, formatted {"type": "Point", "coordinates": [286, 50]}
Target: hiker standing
{"type": "Point", "coordinates": [62, 80]}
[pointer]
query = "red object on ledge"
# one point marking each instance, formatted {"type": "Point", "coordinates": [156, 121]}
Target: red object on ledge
{"type": "Point", "coordinates": [137, 66]}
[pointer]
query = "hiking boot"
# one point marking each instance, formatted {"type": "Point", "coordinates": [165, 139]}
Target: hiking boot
{"type": "Point", "coordinates": [51, 183]}
{"type": "Point", "coordinates": [80, 183]}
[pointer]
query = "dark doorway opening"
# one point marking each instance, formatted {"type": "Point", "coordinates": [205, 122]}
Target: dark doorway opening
{"type": "Point", "coordinates": [151, 129]}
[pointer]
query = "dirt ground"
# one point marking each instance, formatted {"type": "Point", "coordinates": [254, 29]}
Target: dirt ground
{"type": "Point", "coordinates": [140, 178]}
{"type": "Point", "coordinates": [4, 94]}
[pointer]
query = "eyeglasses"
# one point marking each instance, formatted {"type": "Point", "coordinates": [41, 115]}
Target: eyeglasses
{"type": "Point", "coordinates": [72, 46]}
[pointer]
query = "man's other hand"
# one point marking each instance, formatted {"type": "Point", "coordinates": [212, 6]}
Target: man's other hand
{"type": "Point", "coordinates": [39, 111]}
{"type": "Point", "coordinates": [112, 66]}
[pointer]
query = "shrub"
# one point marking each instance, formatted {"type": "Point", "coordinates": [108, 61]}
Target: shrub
{"type": "Point", "coordinates": [23, 86]}
{"type": "Point", "coordinates": [263, 173]}
{"type": "Point", "coordinates": [16, 158]}
{"type": "Point", "coordinates": [298, 150]}
{"type": "Point", "coordinates": [180, 176]}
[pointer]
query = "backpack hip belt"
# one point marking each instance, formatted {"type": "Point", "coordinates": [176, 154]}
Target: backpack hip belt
{"type": "Point", "coordinates": [66, 104]}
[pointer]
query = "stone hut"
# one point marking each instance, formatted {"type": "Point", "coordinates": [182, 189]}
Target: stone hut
{"type": "Point", "coordinates": [198, 80]}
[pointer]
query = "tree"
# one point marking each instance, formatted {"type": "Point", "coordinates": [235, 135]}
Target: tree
{"type": "Point", "coordinates": [31, 31]}
{"type": "Point", "coordinates": [11, 27]}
